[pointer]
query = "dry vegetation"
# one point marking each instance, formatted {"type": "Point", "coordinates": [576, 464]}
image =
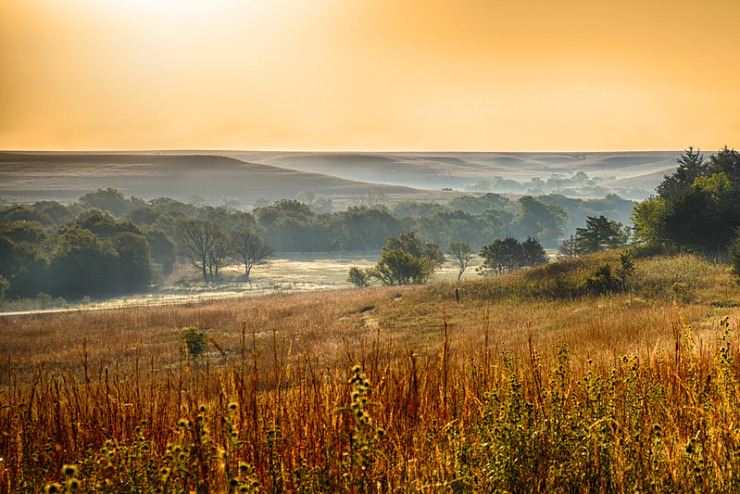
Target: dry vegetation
{"type": "Point", "coordinates": [516, 383]}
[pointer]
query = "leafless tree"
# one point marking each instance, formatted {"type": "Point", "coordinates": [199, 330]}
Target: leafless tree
{"type": "Point", "coordinates": [463, 253]}
{"type": "Point", "coordinates": [197, 240]}
{"type": "Point", "coordinates": [250, 248]}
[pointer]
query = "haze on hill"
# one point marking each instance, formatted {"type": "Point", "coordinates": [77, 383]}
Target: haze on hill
{"type": "Point", "coordinates": [343, 177]}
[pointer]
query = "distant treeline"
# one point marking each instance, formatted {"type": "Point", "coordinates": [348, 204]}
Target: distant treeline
{"type": "Point", "coordinates": [107, 244]}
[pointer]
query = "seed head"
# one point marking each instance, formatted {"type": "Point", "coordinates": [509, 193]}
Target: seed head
{"type": "Point", "coordinates": [69, 471]}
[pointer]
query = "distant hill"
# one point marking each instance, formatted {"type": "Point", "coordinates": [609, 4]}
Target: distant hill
{"type": "Point", "coordinates": [633, 174]}
{"type": "Point", "coordinates": [67, 176]}
{"type": "Point", "coordinates": [344, 177]}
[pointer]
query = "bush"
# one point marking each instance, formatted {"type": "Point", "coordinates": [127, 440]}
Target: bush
{"type": "Point", "coordinates": [195, 340]}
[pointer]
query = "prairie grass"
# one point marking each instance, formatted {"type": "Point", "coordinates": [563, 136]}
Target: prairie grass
{"type": "Point", "coordinates": [519, 383]}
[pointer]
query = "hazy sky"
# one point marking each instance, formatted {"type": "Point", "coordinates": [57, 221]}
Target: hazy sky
{"type": "Point", "coordinates": [515, 75]}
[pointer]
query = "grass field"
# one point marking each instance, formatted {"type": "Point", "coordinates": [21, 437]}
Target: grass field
{"type": "Point", "coordinates": [296, 273]}
{"type": "Point", "coordinates": [519, 383]}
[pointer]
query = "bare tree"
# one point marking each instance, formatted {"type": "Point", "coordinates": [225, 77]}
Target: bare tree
{"type": "Point", "coordinates": [463, 253]}
{"type": "Point", "coordinates": [197, 239]}
{"type": "Point", "coordinates": [250, 248]}
{"type": "Point", "coordinates": [221, 254]}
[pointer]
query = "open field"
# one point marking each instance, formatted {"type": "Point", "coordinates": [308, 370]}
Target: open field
{"type": "Point", "coordinates": [516, 383]}
{"type": "Point", "coordinates": [297, 273]}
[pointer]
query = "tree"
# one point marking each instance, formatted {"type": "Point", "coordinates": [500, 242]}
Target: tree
{"type": "Point", "coordinates": [82, 264]}
{"type": "Point", "coordinates": [691, 165]}
{"type": "Point", "coordinates": [162, 249]}
{"type": "Point", "coordinates": [599, 234]}
{"type": "Point", "coordinates": [250, 248]}
{"type": "Point", "coordinates": [134, 261]}
{"type": "Point", "coordinates": [509, 255]}
{"type": "Point", "coordinates": [533, 253]}
{"type": "Point", "coordinates": [408, 242]}
{"type": "Point", "coordinates": [406, 260]}
{"type": "Point", "coordinates": [397, 267]}
{"type": "Point", "coordinates": [726, 161]}
{"type": "Point", "coordinates": [359, 277]}
{"type": "Point", "coordinates": [647, 218]}
{"type": "Point", "coordinates": [463, 253]}
{"type": "Point", "coordinates": [220, 254]}
{"type": "Point", "coordinates": [568, 248]}
{"type": "Point", "coordinates": [734, 253]}
{"type": "Point", "coordinates": [546, 222]}
{"type": "Point", "coordinates": [502, 255]}
{"type": "Point", "coordinates": [197, 239]}
{"type": "Point", "coordinates": [108, 200]}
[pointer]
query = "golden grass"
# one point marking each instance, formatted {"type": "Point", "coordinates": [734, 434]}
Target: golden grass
{"type": "Point", "coordinates": [441, 390]}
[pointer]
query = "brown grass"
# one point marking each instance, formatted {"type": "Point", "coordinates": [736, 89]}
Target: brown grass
{"type": "Point", "coordinates": [70, 382]}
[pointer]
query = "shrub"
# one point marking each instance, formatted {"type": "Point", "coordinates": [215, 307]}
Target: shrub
{"type": "Point", "coordinates": [195, 340]}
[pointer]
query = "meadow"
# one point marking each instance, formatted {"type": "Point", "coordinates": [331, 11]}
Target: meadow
{"type": "Point", "coordinates": [525, 382]}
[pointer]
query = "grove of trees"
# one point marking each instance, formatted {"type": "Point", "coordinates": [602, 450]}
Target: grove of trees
{"type": "Point", "coordinates": [697, 207]}
{"type": "Point", "coordinates": [106, 244]}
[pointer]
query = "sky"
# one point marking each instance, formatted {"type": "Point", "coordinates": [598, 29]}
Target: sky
{"type": "Point", "coordinates": [375, 75]}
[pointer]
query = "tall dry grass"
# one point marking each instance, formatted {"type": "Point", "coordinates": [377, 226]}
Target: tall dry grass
{"type": "Point", "coordinates": [525, 384]}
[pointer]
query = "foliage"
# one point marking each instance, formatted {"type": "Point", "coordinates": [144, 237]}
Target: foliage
{"type": "Point", "coordinates": [195, 340]}
{"type": "Point", "coordinates": [698, 207]}
{"type": "Point", "coordinates": [599, 234]}
{"type": "Point", "coordinates": [545, 222]}
{"type": "Point", "coordinates": [509, 255]}
{"type": "Point", "coordinates": [691, 165]}
{"type": "Point", "coordinates": [398, 267]}
{"type": "Point", "coordinates": [359, 277]}
{"type": "Point", "coordinates": [407, 260]}
{"type": "Point", "coordinates": [108, 200]}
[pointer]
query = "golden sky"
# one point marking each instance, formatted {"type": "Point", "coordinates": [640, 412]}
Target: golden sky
{"type": "Point", "coordinates": [457, 75]}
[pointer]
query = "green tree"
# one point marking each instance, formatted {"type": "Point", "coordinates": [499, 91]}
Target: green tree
{"type": "Point", "coordinates": [359, 277]}
{"type": "Point", "coordinates": [599, 234]}
{"type": "Point", "coordinates": [408, 242]}
{"type": "Point", "coordinates": [546, 222]}
{"type": "Point", "coordinates": [163, 250]}
{"type": "Point", "coordinates": [82, 264]}
{"type": "Point", "coordinates": [501, 256]}
{"type": "Point", "coordinates": [398, 267]}
{"type": "Point", "coordinates": [647, 218]}
{"type": "Point", "coordinates": [691, 165]}
{"type": "Point", "coordinates": [134, 260]}
{"type": "Point", "coordinates": [533, 253]}
{"type": "Point", "coordinates": [406, 260]}
{"type": "Point", "coordinates": [108, 200]}
{"type": "Point", "coordinates": [726, 161]}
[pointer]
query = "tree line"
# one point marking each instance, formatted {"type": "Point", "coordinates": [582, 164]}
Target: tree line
{"type": "Point", "coordinates": [107, 244]}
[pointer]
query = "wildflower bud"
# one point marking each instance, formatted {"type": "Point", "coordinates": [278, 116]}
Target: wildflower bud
{"type": "Point", "coordinates": [69, 471]}
{"type": "Point", "coordinates": [53, 488]}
